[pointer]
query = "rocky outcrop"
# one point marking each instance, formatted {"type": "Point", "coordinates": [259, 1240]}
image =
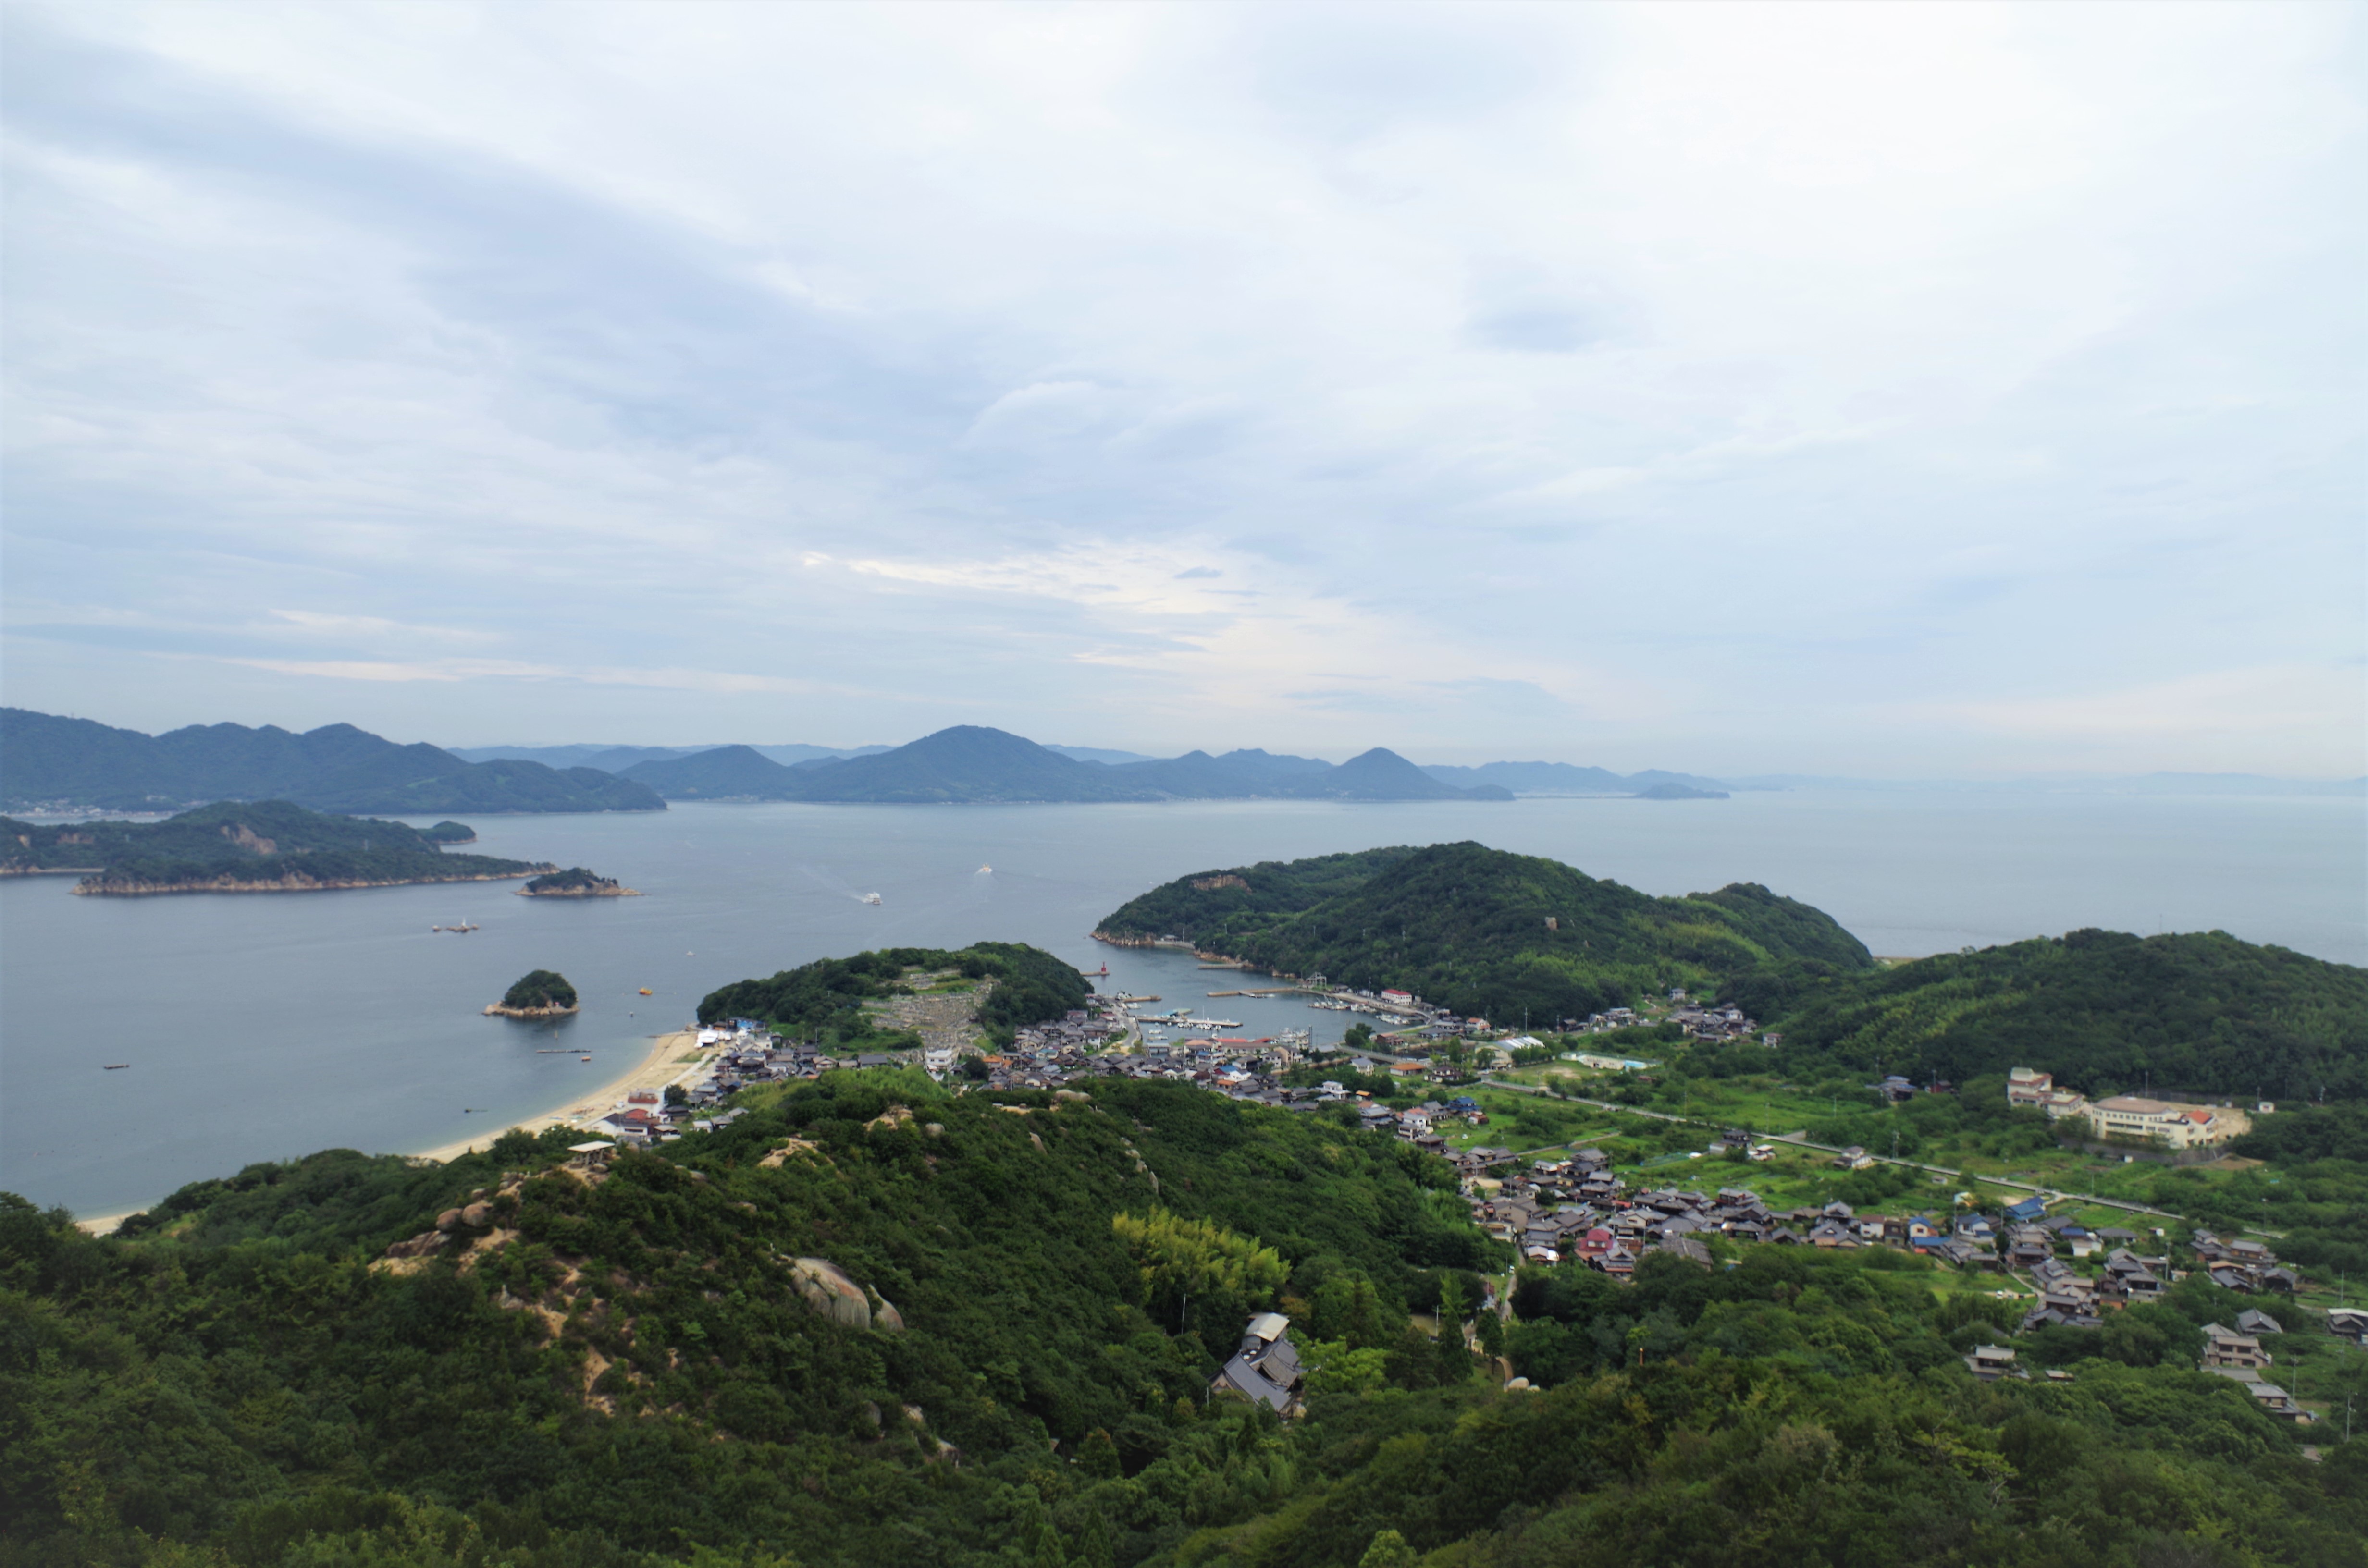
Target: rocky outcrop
{"type": "Point", "coordinates": [829, 1291]}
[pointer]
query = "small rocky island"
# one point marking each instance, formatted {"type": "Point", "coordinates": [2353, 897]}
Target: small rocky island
{"type": "Point", "coordinates": [576, 883]}
{"type": "Point", "coordinates": [540, 994]}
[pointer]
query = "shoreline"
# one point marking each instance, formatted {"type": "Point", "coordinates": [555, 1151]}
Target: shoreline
{"type": "Point", "coordinates": [654, 1071]}
{"type": "Point", "coordinates": [651, 1074]}
{"type": "Point", "coordinates": [298, 883]}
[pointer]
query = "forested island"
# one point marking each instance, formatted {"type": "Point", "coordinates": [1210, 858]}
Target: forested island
{"type": "Point", "coordinates": [576, 883]}
{"type": "Point", "coordinates": [244, 846]}
{"type": "Point", "coordinates": [1482, 931]}
{"type": "Point", "coordinates": [537, 993]}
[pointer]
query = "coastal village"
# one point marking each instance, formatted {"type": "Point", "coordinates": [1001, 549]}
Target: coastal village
{"type": "Point", "coordinates": [1569, 1208]}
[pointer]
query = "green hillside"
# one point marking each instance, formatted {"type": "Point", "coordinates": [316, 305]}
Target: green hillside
{"type": "Point", "coordinates": [870, 1323]}
{"type": "Point", "coordinates": [2105, 1011]}
{"type": "Point", "coordinates": [824, 1000]}
{"type": "Point", "coordinates": [1245, 898]}
{"type": "Point", "coordinates": [244, 842]}
{"type": "Point", "coordinates": [1467, 926]}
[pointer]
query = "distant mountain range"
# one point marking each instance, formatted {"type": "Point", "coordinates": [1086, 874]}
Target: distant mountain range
{"type": "Point", "coordinates": [51, 762]}
{"type": "Point", "coordinates": [970, 763]}
{"type": "Point", "coordinates": [46, 761]}
{"type": "Point", "coordinates": [617, 758]}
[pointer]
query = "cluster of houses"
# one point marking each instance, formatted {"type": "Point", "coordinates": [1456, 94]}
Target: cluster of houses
{"type": "Point", "coordinates": [2241, 1265]}
{"type": "Point", "coordinates": [645, 1119]}
{"type": "Point", "coordinates": [1078, 1030]}
{"type": "Point", "coordinates": [2069, 1299]}
{"type": "Point", "coordinates": [1577, 1209]}
{"type": "Point", "coordinates": [2172, 1123]}
{"type": "Point", "coordinates": [1707, 1021]}
{"type": "Point", "coordinates": [1699, 1020]}
{"type": "Point", "coordinates": [2235, 1353]}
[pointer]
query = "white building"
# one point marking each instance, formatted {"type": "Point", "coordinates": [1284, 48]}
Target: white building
{"type": "Point", "coordinates": [2178, 1125]}
{"type": "Point", "coordinates": [2025, 1086]}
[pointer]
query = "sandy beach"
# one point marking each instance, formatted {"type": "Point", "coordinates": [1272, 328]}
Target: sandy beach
{"type": "Point", "coordinates": [662, 1065]}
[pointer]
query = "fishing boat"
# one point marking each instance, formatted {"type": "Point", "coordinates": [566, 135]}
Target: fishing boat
{"type": "Point", "coordinates": [871, 898]}
{"type": "Point", "coordinates": [987, 871]}
{"type": "Point", "coordinates": [646, 990]}
{"type": "Point", "coordinates": [116, 1066]}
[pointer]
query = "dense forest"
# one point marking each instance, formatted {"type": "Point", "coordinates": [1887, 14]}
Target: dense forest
{"type": "Point", "coordinates": [2107, 1012]}
{"type": "Point", "coordinates": [1247, 898]}
{"type": "Point", "coordinates": [1486, 932]}
{"type": "Point", "coordinates": [46, 760]}
{"type": "Point", "coordinates": [576, 883]}
{"type": "Point", "coordinates": [870, 1322]}
{"type": "Point", "coordinates": [823, 1001]}
{"type": "Point", "coordinates": [243, 842]}
{"type": "Point", "coordinates": [540, 988]}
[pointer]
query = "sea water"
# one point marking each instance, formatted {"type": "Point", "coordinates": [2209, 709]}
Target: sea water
{"type": "Point", "coordinates": [263, 1026]}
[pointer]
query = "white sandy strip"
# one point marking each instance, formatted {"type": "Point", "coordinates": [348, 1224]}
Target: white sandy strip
{"type": "Point", "coordinates": [662, 1066]}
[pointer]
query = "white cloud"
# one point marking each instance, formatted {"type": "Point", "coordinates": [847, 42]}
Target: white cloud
{"type": "Point", "coordinates": [1746, 382]}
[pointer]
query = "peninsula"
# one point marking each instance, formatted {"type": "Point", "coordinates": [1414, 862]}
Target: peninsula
{"type": "Point", "coordinates": [242, 846]}
{"type": "Point", "coordinates": [1482, 931]}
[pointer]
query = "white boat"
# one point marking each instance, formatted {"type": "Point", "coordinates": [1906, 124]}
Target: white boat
{"type": "Point", "coordinates": [871, 898]}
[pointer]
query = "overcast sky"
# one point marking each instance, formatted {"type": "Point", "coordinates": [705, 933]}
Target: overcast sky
{"type": "Point", "coordinates": [1899, 390]}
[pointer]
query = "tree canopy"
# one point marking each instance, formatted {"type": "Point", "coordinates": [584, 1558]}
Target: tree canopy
{"type": "Point", "coordinates": [1484, 931]}
{"type": "Point", "coordinates": [540, 988]}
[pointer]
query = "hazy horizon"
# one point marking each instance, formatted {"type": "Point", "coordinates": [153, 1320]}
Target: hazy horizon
{"type": "Point", "coordinates": [476, 748]}
{"type": "Point", "coordinates": [1908, 392]}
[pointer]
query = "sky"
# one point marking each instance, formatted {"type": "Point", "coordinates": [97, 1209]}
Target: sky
{"type": "Point", "coordinates": [1888, 390]}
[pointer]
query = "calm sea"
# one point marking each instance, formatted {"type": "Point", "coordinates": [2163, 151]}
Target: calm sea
{"type": "Point", "coordinates": [259, 1027]}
